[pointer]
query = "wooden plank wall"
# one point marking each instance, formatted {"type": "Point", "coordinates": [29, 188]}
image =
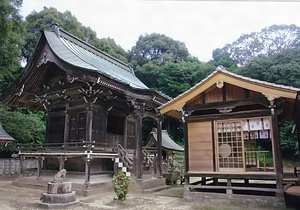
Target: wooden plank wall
{"type": "Point", "coordinates": [200, 147]}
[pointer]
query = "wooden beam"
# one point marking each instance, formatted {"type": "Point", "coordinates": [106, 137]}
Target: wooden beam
{"type": "Point", "coordinates": [243, 114]}
{"type": "Point", "coordinates": [224, 104]}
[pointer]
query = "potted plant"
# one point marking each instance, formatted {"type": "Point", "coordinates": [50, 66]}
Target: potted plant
{"type": "Point", "coordinates": [121, 183]}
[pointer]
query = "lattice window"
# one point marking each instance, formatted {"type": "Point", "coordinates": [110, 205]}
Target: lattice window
{"type": "Point", "coordinates": [229, 145]}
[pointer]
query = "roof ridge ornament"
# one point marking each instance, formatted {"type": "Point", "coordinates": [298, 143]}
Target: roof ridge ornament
{"type": "Point", "coordinates": [55, 28]}
{"type": "Point", "coordinates": [220, 68]}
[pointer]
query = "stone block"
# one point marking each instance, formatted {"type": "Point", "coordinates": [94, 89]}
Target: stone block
{"type": "Point", "coordinates": [58, 198]}
{"type": "Point", "coordinates": [59, 187]}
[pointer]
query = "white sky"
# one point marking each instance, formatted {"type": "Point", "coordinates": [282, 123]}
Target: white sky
{"type": "Point", "coordinates": [202, 25]}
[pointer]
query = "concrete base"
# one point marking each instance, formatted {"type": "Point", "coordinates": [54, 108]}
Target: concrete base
{"type": "Point", "coordinates": [58, 198]}
{"type": "Point", "coordinates": [59, 194]}
{"type": "Point", "coordinates": [56, 205]}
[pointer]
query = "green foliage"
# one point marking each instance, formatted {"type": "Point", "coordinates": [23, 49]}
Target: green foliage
{"type": "Point", "coordinates": [121, 183]}
{"type": "Point", "coordinates": [173, 77]}
{"type": "Point", "coordinates": [282, 68]}
{"type": "Point", "coordinates": [269, 159]}
{"type": "Point", "coordinates": [288, 140]}
{"type": "Point", "coordinates": [157, 47]}
{"type": "Point", "coordinates": [37, 21]}
{"type": "Point", "coordinates": [23, 125]}
{"type": "Point", "coordinates": [223, 59]}
{"type": "Point", "coordinates": [11, 41]}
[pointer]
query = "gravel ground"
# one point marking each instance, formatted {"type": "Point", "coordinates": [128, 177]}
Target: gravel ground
{"type": "Point", "coordinates": [12, 198]}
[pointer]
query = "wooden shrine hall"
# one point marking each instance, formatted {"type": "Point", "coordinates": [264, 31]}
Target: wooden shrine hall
{"type": "Point", "coordinates": [94, 107]}
{"type": "Point", "coordinates": [231, 130]}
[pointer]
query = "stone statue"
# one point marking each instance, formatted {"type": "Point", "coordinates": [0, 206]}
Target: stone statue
{"type": "Point", "coordinates": [60, 175]}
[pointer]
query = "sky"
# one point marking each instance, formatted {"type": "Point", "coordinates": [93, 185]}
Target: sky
{"type": "Point", "coordinates": [202, 25]}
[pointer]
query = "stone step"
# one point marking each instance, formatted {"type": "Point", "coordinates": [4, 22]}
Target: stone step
{"type": "Point", "coordinates": [37, 186]}
{"type": "Point", "coordinates": [94, 191]}
{"type": "Point", "coordinates": [156, 189]}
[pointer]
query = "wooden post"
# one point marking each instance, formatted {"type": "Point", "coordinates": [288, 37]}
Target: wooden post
{"type": "Point", "coordinates": [229, 190]}
{"type": "Point", "coordinates": [39, 167]}
{"type": "Point", "coordinates": [277, 156]}
{"type": "Point", "coordinates": [125, 133]}
{"type": "Point", "coordinates": [139, 154]}
{"type": "Point", "coordinates": [48, 121]}
{"type": "Point", "coordinates": [87, 169]}
{"type": "Point", "coordinates": [159, 148]}
{"type": "Point", "coordinates": [89, 126]}
{"type": "Point", "coordinates": [66, 130]}
{"type": "Point", "coordinates": [203, 180]}
{"type": "Point", "coordinates": [155, 166]}
{"type": "Point", "coordinates": [21, 164]}
{"type": "Point", "coordinates": [186, 152]}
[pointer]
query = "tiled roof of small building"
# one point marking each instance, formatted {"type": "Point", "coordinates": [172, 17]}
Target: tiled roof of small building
{"type": "Point", "coordinates": [5, 137]}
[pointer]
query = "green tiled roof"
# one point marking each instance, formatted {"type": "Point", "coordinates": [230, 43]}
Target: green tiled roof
{"type": "Point", "coordinates": [80, 54]}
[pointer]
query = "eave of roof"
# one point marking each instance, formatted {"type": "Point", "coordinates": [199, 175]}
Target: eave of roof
{"type": "Point", "coordinates": [270, 90]}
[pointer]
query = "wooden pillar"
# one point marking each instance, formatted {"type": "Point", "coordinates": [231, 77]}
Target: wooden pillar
{"type": "Point", "coordinates": [186, 151]}
{"type": "Point", "coordinates": [89, 125]}
{"type": "Point", "coordinates": [277, 156]}
{"type": "Point", "coordinates": [159, 148]}
{"type": "Point", "coordinates": [125, 133]}
{"type": "Point", "coordinates": [66, 130]}
{"type": "Point", "coordinates": [139, 154]}
{"type": "Point", "coordinates": [48, 121]}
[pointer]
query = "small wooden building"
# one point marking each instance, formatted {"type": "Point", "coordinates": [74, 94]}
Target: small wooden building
{"type": "Point", "coordinates": [168, 148]}
{"type": "Point", "coordinates": [94, 107]}
{"type": "Point", "coordinates": [231, 132]}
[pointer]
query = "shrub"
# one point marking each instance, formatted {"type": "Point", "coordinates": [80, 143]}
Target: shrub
{"type": "Point", "coordinates": [121, 183]}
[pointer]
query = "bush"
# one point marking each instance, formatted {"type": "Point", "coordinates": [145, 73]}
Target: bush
{"type": "Point", "coordinates": [121, 183]}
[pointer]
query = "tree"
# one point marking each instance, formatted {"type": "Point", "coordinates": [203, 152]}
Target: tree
{"type": "Point", "coordinates": [11, 41]}
{"type": "Point", "coordinates": [269, 41]}
{"type": "Point", "coordinates": [282, 68]}
{"type": "Point", "coordinates": [23, 125]}
{"type": "Point", "coordinates": [157, 47]}
{"type": "Point", "coordinates": [37, 21]}
{"type": "Point", "coordinates": [223, 59]}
